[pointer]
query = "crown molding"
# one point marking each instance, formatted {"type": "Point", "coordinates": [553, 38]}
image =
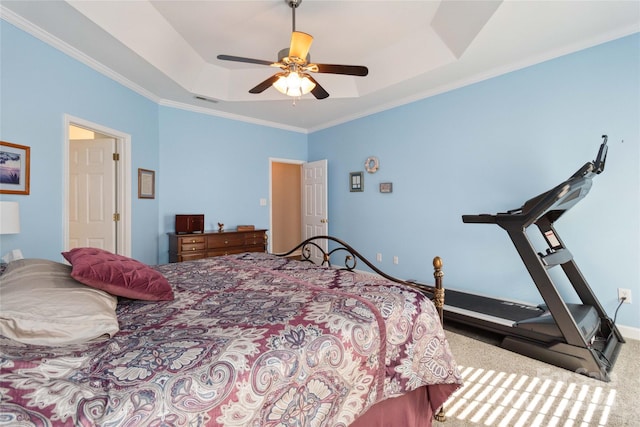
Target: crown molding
{"type": "Point", "coordinates": [30, 28]}
{"type": "Point", "coordinates": [230, 116]}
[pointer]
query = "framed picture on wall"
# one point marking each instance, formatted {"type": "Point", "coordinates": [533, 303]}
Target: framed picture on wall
{"type": "Point", "coordinates": [356, 181]}
{"type": "Point", "coordinates": [14, 168]}
{"type": "Point", "coordinates": [386, 187]}
{"type": "Point", "coordinates": [146, 184]}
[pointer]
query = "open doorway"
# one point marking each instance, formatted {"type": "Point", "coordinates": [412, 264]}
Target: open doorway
{"type": "Point", "coordinates": [97, 187]}
{"type": "Point", "coordinates": [298, 203]}
{"type": "Point", "coordinates": [286, 205]}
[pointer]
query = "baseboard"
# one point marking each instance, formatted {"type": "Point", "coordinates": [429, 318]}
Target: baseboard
{"type": "Point", "coordinates": [629, 333]}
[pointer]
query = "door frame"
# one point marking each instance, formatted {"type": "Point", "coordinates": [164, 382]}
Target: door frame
{"type": "Point", "coordinates": [123, 200]}
{"type": "Point", "coordinates": [273, 160]}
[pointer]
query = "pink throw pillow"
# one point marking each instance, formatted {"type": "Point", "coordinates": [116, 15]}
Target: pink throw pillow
{"type": "Point", "coordinates": [118, 275]}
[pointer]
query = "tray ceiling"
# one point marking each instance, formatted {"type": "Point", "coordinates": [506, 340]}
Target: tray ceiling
{"type": "Point", "coordinates": [166, 50]}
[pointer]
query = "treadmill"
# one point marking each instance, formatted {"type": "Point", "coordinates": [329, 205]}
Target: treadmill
{"type": "Point", "coordinates": [579, 337]}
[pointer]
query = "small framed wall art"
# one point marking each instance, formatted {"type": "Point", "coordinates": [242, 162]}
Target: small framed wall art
{"type": "Point", "coordinates": [356, 181]}
{"type": "Point", "coordinates": [386, 187]}
{"type": "Point", "coordinates": [146, 184]}
{"type": "Point", "coordinates": [14, 168]}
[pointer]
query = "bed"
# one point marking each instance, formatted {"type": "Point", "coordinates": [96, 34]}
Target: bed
{"type": "Point", "coordinates": [251, 339]}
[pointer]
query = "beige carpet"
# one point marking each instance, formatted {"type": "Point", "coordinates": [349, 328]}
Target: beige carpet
{"type": "Point", "coordinates": [505, 389]}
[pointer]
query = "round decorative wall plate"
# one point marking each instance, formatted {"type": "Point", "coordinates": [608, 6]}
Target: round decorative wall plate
{"type": "Point", "coordinates": [372, 164]}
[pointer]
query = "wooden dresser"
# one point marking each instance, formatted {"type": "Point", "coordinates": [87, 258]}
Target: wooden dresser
{"type": "Point", "coordinates": [187, 247]}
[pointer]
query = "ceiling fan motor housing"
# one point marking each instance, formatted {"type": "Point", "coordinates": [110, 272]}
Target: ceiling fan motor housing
{"type": "Point", "coordinates": [284, 53]}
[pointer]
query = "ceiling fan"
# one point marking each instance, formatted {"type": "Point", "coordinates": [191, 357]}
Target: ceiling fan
{"type": "Point", "coordinates": [295, 64]}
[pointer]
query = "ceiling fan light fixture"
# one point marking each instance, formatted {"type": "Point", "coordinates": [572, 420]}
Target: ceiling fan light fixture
{"type": "Point", "coordinates": [300, 44]}
{"type": "Point", "coordinates": [294, 84]}
{"type": "Point", "coordinates": [295, 62]}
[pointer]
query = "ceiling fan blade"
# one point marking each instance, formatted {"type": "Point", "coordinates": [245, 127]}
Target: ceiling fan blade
{"type": "Point", "coordinates": [318, 91]}
{"type": "Point", "coordinates": [351, 70]}
{"type": "Point", "coordinates": [247, 60]}
{"type": "Point", "coordinates": [300, 44]}
{"type": "Point", "coordinates": [265, 84]}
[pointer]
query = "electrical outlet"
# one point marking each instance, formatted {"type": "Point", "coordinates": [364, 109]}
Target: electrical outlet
{"type": "Point", "coordinates": [379, 257]}
{"type": "Point", "coordinates": [626, 294]}
{"type": "Point", "coordinates": [395, 259]}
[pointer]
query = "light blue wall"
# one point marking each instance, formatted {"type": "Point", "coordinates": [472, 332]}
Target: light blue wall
{"type": "Point", "coordinates": [203, 164]}
{"type": "Point", "coordinates": [219, 168]}
{"type": "Point", "coordinates": [483, 148]}
{"type": "Point", "coordinates": [39, 84]}
{"type": "Point", "coordinates": [487, 148]}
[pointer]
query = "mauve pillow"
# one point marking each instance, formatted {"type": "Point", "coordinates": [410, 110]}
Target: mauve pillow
{"type": "Point", "coordinates": [118, 275]}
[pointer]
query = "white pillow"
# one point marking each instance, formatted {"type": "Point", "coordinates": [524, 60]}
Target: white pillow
{"type": "Point", "coordinates": [41, 304]}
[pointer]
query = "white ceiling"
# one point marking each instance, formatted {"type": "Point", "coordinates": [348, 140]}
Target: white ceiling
{"type": "Point", "coordinates": [166, 50]}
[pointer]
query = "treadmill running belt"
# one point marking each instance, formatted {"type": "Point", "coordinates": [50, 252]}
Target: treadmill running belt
{"type": "Point", "coordinates": [491, 306]}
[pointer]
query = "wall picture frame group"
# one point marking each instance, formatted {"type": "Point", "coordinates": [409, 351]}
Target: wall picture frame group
{"type": "Point", "coordinates": [15, 163]}
{"type": "Point", "coordinates": [146, 184]}
{"type": "Point", "coordinates": [356, 181]}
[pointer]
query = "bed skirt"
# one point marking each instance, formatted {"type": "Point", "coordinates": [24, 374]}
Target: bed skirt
{"type": "Point", "coordinates": [414, 409]}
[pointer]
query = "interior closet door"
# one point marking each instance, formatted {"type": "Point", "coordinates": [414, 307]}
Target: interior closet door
{"type": "Point", "coordinates": [92, 194]}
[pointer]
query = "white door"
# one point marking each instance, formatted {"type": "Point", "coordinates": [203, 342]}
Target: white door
{"type": "Point", "coordinates": [92, 194]}
{"type": "Point", "coordinates": [315, 217]}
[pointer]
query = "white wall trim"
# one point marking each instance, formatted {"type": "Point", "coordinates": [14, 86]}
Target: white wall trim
{"type": "Point", "coordinates": [479, 77]}
{"type": "Point", "coordinates": [230, 116]}
{"type": "Point", "coordinates": [629, 332]}
{"type": "Point", "coordinates": [123, 141]}
{"type": "Point", "coordinates": [41, 34]}
{"type": "Point", "coordinates": [66, 48]}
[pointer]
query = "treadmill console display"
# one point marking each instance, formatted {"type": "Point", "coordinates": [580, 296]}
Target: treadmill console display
{"type": "Point", "coordinates": [552, 240]}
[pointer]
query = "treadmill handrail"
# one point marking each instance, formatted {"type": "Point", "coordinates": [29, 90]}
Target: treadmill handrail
{"type": "Point", "coordinates": [545, 204]}
{"type": "Point", "coordinates": [479, 219]}
{"type": "Point", "coordinates": [555, 197]}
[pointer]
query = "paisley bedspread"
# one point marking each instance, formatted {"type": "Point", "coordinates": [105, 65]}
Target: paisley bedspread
{"type": "Point", "coordinates": [250, 340]}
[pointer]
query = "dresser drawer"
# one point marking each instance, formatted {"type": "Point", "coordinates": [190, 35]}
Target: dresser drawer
{"type": "Point", "coordinates": [254, 239]}
{"type": "Point", "coordinates": [254, 248]}
{"type": "Point", "coordinates": [224, 241]}
{"type": "Point", "coordinates": [190, 247]}
{"type": "Point", "coordinates": [188, 244]}
{"type": "Point", "coordinates": [187, 256]}
{"type": "Point", "coordinates": [191, 239]}
{"type": "Point", "coordinates": [226, 251]}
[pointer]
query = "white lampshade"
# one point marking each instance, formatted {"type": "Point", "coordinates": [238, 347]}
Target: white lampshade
{"type": "Point", "coordinates": [9, 218]}
{"type": "Point", "coordinates": [294, 84]}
